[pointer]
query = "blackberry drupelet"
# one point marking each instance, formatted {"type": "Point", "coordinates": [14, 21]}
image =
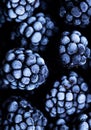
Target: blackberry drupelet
{"type": "Point", "coordinates": [76, 12]}
{"type": "Point", "coordinates": [18, 114]}
{"type": "Point", "coordinates": [19, 10]}
{"type": "Point", "coordinates": [73, 49]}
{"type": "Point", "coordinates": [23, 69]}
{"type": "Point", "coordinates": [68, 96]}
{"type": "Point", "coordinates": [35, 32]}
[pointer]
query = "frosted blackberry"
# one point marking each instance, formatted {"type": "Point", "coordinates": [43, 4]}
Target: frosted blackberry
{"type": "Point", "coordinates": [23, 69]}
{"type": "Point", "coordinates": [18, 114]}
{"type": "Point", "coordinates": [73, 49]}
{"type": "Point", "coordinates": [83, 121]}
{"type": "Point", "coordinates": [35, 32]}
{"type": "Point", "coordinates": [19, 10]}
{"type": "Point", "coordinates": [76, 12]}
{"type": "Point", "coordinates": [68, 96]}
{"type": "Point", "coordinates": [60, 124]}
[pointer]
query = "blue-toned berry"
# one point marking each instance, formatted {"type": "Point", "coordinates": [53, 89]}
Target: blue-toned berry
{"type": "Point", "coordinates": [59, 124]}
{"type": "Point", "coordinates": [18, 114]}
{"type": "Point", "coordinates": [35, 32]}
{"type": "Point", "coordinates": [76, 12]}
{"type": "Point", "coordinates": [19, 10]}
{"type": "Point", "coordinates": [23, 69]}
{"type": "Point", "coordinates": [68, 96]}
{"type": "Point", "coordinates": [73, 49]}
{"type": "Point", "coordinates": [83, 121]}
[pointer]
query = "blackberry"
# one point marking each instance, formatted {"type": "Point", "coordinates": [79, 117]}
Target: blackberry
{"type": "Point", "coordinates": [23, 69]}
{"type": "Point", "coordinates": [34, 33]}
{"type": "Point", "coordinates": [68, 96]}
{"type": "Point", "coordinates": [76, 12]}
{"type": "Point", "coordinates": [18, 114]}
{"type": "Point", "coordinates": [60, 124]}
{"type": "Point", "coordinates": [73, 49]}
{"type": "Point", "coordinates": [83, 121]}
{"type": "Point", "coordinates": [19, 10]}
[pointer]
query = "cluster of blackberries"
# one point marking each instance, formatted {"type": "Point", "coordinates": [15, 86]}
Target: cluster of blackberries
{"type": "Point", "coordinates": [45, 62]}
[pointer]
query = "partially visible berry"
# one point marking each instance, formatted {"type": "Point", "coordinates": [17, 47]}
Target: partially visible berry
{"type": "Point", "coordinates": [34, 33]}
{"type": "Point", "coordinates": [23, 69]}
{"type": "Point", "coordinates": [87, 66]}
{"type": "Point", "coordinates": [76, 12]}
{"type": "Point", "coordinates": [19, 10]}
{"type": "Point", "coordinates": [18, 114]}
{"type": "Point", "coordinates": [83, 121]}
{"type": "Point", "coordinates": [60, 124]}
{"type": "Point", "coordinates": [73, 49]}
{"type": "Point", "coordinates": [2, 17]}
{"type": "Point", "coordinates": [68, 96]}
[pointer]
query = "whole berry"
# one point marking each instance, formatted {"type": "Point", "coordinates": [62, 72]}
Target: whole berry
{"type": "Point", "coordinates": [76, 12]}
{"type": "Point", "coordinates": [68, 96]}
{"type": "Point", "coordinates": [73, 49]}
{"type": "Point", "coordinates": [23, 69]}
{"type": "Point", "coordinates": [35, 32]}
{"type": "Point", "coordinates": [18, 114]}
{"type": "Point", "coordinates": [19, 10]}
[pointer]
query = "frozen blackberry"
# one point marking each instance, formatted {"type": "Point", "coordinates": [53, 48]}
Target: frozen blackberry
{"type": "Point", "coordinates": [60, 124]}
{"type": "Point", "coordinates": [19, 10]}
{"type": "Point", "coordinates": [34, 33]}
{"type": "Point", "coordinates": [23, 69]}
{"type": "Point", "coordinates": [73, 49]}
{"type": "Point", "coordinates": [83, 121]}
{"type": "Point", "coordinates": [18, 114]}
{"type": "Point", "coordinates": [68, 96]}
{"type": "Point", "coordinates": [76, 12]}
